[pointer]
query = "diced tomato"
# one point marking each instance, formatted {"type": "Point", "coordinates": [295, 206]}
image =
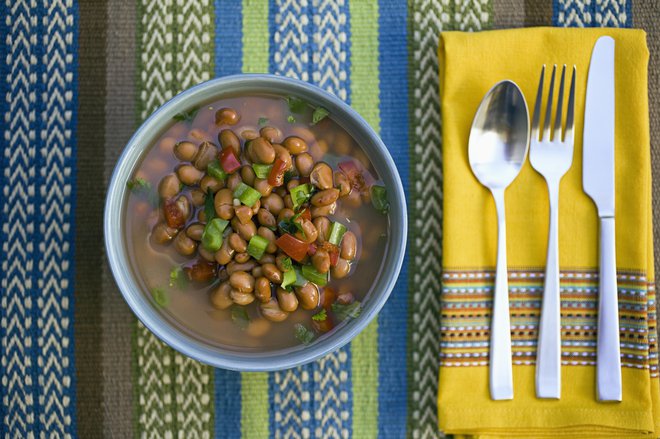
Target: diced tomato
{"type": "Point", "coordinates": [173, 215]}
{"type": "Point", "coordinates": [201, 271]}
{"type": "Point", "coordinates": [360, 178]}
{"type": "Point", "coordinates": [229, 161]}
{"type": "Point", "coordinates": [304, 180]}
{"type": "Point", "coordinates": [334, 257]}
{"type": "Point", "coordinates": [323, 325]}
{"type": "Point", "coordinates": [276, 176]}
{"type": "Point", "coordinates": [306, 214]}
{"type": "Point", "coordinates": [328, 298]}
{"type": "Point", "coordinates": [312, 249]}
{"type": "Point", "coordinates": [292, 246]}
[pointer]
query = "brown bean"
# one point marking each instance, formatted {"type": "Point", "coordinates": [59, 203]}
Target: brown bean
{"type": "Point", "coordinates": [295, 145]}
{"type": "Point", "coordinates": [255, 207]}
{"type": "Point", "coordinates": [257, 272]}
{"type": "Point", "coordinates": [308, 296]}
{"type": "Point", "coordinates": [273, 203]}
{"type": "Point", "coordinates": [162, 234]}
{"type": "Point", "coordinates": [294, 182]}
{"type": "Point", "coordinates": [279, 261]}
{"type": "Point", "coordinates": [189, 175]}
{"type": "Point", "coordinates": [267, 258]}
{"type": "Point", "coordinates": [261, 185]}
{"type": "Point", "coordinates": [241, 258]}
{"type": "Point", "coordinates": [323, 226]}
{"type": "Point", "coordinates": [248, 175]}
{"type": "Point", "coordinates": [348, 246]}
{"type": "Point", "coordinates": [262, 289]}
{"type": "Point", "coordinates": [342, 183]}
{"type": "Point", "coordinates": [287, 300]}
{"type": "Point", "coordinates": [241, 297]}
{"type": "Point", "coordinates": [200, 271]}
{"type": "Point", "coordinates": [226, 116]}
{"type": "Point", "coordinates": [272, 273]}
{"type": "Point", "coordinates": [304, 133]}
{"type": "Point", "coordinates": [340, 270]}
{"type": "Point", "coordinates": [225, 254]}
{"type": "Point", "coordinates": [224, 204]}
{"type": "Point", "coordinates": [234, 266]}
{"type": "Point", "coordinates": [198, 197]}
{"type": "Point", "coordinates": [271, 310]}
{"type": "Point", "coordinates": [258, 328]}
{"type": "Point", "coordinates": [220, 298]}
{"type": "Point", "coordinates": [325, 197]}
{"type": "Point", "coordinates": [262, 151]}
{"type": "Point", "coordinates": [304, 164]}
{"type": "Point", "coordinates": [233, 181]}
{"type": "Point", "coordinates": [229, 139]}
{"type": "Point", "coordinates": [345, 298]}
{"type": "Point", "coordinates": [184, 245]}
{"type": "Point", "coordinates": [243, 213]}
{"type": "Point", "coordinates": [281, 191]}
{"type": "Point", "coordinates": [249, 134]}
{"type": "Point", "coordinates": [272, 134]}
{"type": "Point", "coordinates": [321, 176]}
{"type": "Point", "coordinates": [205, 254]}
{"type": "Point", "coordinates": [288, 201]}
{"type": "Point", "coordinates": [265, 232]}
{"type": "Point", "coordinates": [195, 231]}
{"type": "Point", "coordinates": [285, 214]}
{"type": "Point", "coordinates": [343, 143]}
{"type": "Point", "coordinates": [222, 274]}
{"type": "Point", "coordinates": [206, 153]}
{"type": "Point", "coordinates": [185, 151]}
{"type": "Point", "coordinates": [169, 186]}
{"type": "Point", "coordinates": [266, 218]}
{"type": "Point", "coordinates": [198, 134]}
{"type": "Point", "coordinates": [242, 281]}
{"type": "Point", "coordinates": [247, 230]}
{"type": "Point", "coordinates": [209, 184]}
{"type": "Point", "coordinates": [283, 154]}
{"type": "Point", "coordinates": [237, 243]}
{"type": "Point", "coordinates": [321, 261]}
{"type": "Point", "coordinates": [310, 233]}
{"type": "Point", "coordinates": [317, 211]}
{"type": "Point", "coordinates": [178, 211]}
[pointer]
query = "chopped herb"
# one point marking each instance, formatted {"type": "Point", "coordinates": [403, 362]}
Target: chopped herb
{"type": "Point", "coordinates": [262, 171]}
{"type": "Point", "coordinates": [291, 119]}
{"type": "Point", "coordinates": [320, 316]}
{"type": "Point", "coordinates": [178, 278]}
{"type": "Point", "coordinates": [319, 114]}
{"type": "Point", "coordinates": [301, 194]}
{"type": "Point", "coordinates": [140, 186]}
{"type": "Point", "coordinates": [300, 279]}
{"type": "Point", "coordinates": [212, 235]}
{"type": "Point", "coordinates": [311, 274]}
{"type": "Point", "coordinates": [209, 206]}
{"type": "Point", "coordinates": [257, 246]}
{"type": "Point", "coordinates": [240, 316]}
{"type": "Point", "coordinates": [215, 170]}
{"type": "Point", "coordinates": [336, 233]}
{"type": "Point", "coordinates": [379, 199]}
{"type": "Point", "coordinates": [287, 265]}
{"type": "Point", "coordinates": [160, 296]}
{"type": "Point", "coordinates": [186, 115]}
{"type": "Point", "coordinates": [288, 175]}
{"type": "Point", "coordinates": [296, 105]}
{"type": "Point", "coordinates": [291, 226]}
{"type": "Point", "coordinates": [304, 335]}
{"type": "Point", "coordinates": [289, 278]}
{"type": "Point", "coordinates": [342, 311]}
{"type": "Point", "coordinates": [262, 121]}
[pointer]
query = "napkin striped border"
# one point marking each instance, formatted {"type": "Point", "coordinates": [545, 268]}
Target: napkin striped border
{"type": "Point", "coordinates": [56, 124]}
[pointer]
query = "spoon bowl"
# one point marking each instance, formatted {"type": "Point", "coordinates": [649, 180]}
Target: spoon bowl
{"type": "Point", "coordinates": [497, 149]}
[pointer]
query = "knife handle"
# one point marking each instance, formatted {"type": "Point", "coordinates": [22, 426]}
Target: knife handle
{"type": "Point", "coordinates": [609, 357]}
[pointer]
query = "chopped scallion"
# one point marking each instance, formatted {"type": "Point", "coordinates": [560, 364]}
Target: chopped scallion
{"type": "Point", "coordinates": [160, 296]}
{"type": "Point", "coordinates": [246, 194]}
{"type": "Point", "coordinates": [287, 264]}
{"type": "Point", "coordinates": [379, 199]}
{"type": "Point", "coordinates": [291, 119]}
{"type": "Point", "coordinates": [337, 233]}
{"type": "Point", "coordinates": [262, 171]}
{"type": "Point", "coordinates": [319, 114]}
{"type": "Point", "coordinates": [304, 335]}
{"type": "Point", "coordinates": [300, 279]}
{"type": "Point", "coordinates": [311, 274]}
{"type": "Point", "coordinates": [288, 279]}
{"type": "Point", "coordinates": [320, 316]}
{"type": "Point", "coordinates": [262, 121]}
{"type": "Point", "coordinates": [257, 246]}
{"type": "Point", "coordinates": [215, 170]}
{"type": "Point", "coordinates": [212, 235]}
{"type": "Point", "coordinates": [178, 278]}
{"type": "Point", "coordinates": [301, 194]}
{"type": "Point", "coordinates": [296, 105]}
{"type": "Point", "coordinates": [342, 311]}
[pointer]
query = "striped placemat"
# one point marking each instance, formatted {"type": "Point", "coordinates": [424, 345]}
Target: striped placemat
{"type": "Point", "coordinates": [76, 80]}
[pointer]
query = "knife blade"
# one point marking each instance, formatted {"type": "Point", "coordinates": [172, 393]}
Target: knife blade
{"type": "Point", "coordinates": [598, 182]}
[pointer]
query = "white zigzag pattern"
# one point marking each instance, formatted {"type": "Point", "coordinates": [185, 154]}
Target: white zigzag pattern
{"type": "Point", "coordinates": [18, 212]}
{"type": "Point", "coordinates": [291, 39]}
{"type": "Point", "coordinates": [56, 213]}
{"type": "Point", "coordinates": [193, 22]}
{"type": "Point", "coordinates": [585, 13]}
{"type": "Point", "coordinates": [330, 41]}
{"type": "Point", "coordinates": [291, 404]}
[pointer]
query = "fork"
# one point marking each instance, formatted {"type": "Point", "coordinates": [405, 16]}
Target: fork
{"type": "Point", "coordinates": [551, 154]}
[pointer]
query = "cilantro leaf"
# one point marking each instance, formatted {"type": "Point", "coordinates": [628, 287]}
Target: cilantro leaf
{"type": "Point", "coordinates": [342, 312]}
{"type": "Point", "coordinates": [304, 335]}
{"type": "Point", "coordinates": [240, 316]}
{"type": "Point", "coordinates": [140, 186]}
{"type": "Point", "coordinates": [209, 206]}
{"type": "Point", "coordinates": [178, 278]}
{"type": "Point", "coordinates": [186, 115]}
{"type": "Point", "coordinates": [319, 114]}
{"type": "Point", "coordinates": [262, 121]}
{"type": "Point", "coordinates": [160, 296]}
{"type": "Point", "coordinates": [296, 105]}
{"type": "Point", "coordinates": [320, 316]}
{"type": "Point", "coordinates": [291, 119]}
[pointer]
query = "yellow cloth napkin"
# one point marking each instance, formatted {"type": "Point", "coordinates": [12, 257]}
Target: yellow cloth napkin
{"type": "Point", "coordinates": [469, 65]}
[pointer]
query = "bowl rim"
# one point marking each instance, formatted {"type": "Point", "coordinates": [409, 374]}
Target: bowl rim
{"type": "Point", "coordinates": [142, 140]}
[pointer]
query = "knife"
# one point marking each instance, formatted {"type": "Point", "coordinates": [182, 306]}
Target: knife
{"type": "Point", "coordinates": [598, 183]}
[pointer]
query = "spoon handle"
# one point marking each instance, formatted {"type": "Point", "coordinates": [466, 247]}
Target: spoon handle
{"type": "Point", "coordinates": [501, 374]}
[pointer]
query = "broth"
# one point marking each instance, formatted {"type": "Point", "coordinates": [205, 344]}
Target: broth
{"type": "Point", "coordinates": [188, 302]}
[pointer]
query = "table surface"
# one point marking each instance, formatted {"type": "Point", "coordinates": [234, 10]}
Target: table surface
{"type": "Point", "coordinates": [76, 81]}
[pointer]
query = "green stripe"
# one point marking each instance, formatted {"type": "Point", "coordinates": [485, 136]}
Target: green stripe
{"type": "Point", "coordinates": [255, 36]}
{"type": "Point", "coordinates": [365, 100]}
{"type": "Point", "coordinates": [254, 405]}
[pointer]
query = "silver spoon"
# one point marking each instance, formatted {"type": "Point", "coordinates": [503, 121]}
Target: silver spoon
{"type": "Point", "coordinates": [498, 145]}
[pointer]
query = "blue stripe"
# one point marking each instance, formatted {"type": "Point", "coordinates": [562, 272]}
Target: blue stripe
{"type": "Point", "coordinates": [593, 14]}
{"type": "Point", "coordinates": [228, 37]}
{"type": "Point", "coordinates": [228, 61]}
{"type": "Point", "coordinates": [227, 404]}
{"type": "Point", "coordinates": [392, 320]}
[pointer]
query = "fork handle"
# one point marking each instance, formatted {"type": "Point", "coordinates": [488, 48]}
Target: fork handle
{"type": "Point", "coordinates": [500, 370]}
{"type": "Point", "coordinates": [548, 361]}
{"type": "Point", "coordinates": [609, 357]}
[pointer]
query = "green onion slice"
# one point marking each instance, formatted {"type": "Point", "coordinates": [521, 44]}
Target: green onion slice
{"type": "Point", "coordinates": [301, 194]}
{"type": "Point", "coordinates": [212, 236]}
{"type": "Point", "coordinates": [310, 273]}
{"type": "Point", "coordinates": [336, 233]}
{"type": "Point", "coordinates": [246, 194]}
{"type": "Point", "coordinates": [379, 199]}
{"type": "Point", "coordinates": [215, 170]}
{"type": "Point", "coordinates": [262, 171]}
{"type": "Point", "coordinates": [160, 296]}
{"type": "Point", "coordinates": [257, 246]}
{"type": "Point", "coordinates": [289, 278]}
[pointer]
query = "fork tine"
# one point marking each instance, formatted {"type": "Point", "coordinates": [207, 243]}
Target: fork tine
{"type": "Point", "coordinates": [560, 104]}
{"type": "Point", "coordinates": [569, 133]}
{"type": "Point", "coordinates": [548, 109]}
{"type": "Point", "coordinates": [537, 108]}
